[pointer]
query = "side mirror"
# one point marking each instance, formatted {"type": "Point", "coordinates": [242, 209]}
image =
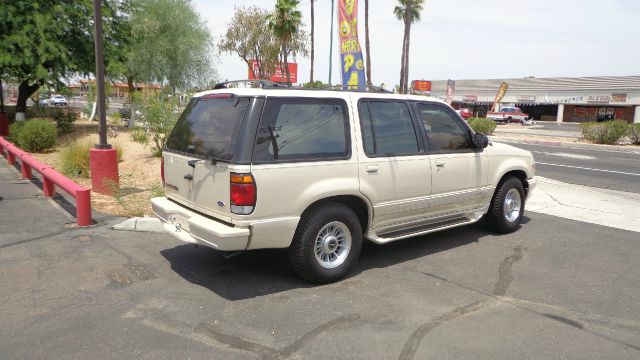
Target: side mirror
{"type": "Point", "coordinates": [481, 141]}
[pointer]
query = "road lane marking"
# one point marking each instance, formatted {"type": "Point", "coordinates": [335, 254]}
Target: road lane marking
{"type": "Point", "coordinates": [590, 169]}
{"type": "Point", "coordinates": [566, 155]}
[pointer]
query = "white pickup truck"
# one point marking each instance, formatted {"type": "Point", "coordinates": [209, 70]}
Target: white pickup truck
{"type": "Point", "coordinates": [508, 114]}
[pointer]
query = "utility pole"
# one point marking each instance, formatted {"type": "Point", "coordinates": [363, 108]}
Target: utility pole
{"type": "Point", "coordinates": [103, 160]}
{"type": "Point", "coordinates": [102, 122]}
{"type": "Point", "coordinates": [331, 42]}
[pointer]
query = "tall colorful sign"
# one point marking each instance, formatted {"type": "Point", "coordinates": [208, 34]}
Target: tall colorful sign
{"type": "Point", "coordinates": [502, 91]}
{"type": "Point", "coordinates": [451, 88]}
{"type": "Point", "coordinates": [352, 66]}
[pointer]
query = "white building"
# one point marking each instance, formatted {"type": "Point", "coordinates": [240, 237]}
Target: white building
{"type": "Point", "coordinates": [553, 99]}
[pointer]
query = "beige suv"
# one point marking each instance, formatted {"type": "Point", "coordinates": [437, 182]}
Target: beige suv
{"type": "Point", "coordinates": [320, 171]}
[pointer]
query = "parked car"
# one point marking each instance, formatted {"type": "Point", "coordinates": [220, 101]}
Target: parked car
{"type": "Point", "coordinates": [43, 101]}
{"type": "Point", "coordinates": [465, 113]}
{"type": "Point", "coordinates": [58, 100]}
{"type": "Point", "coordinates": [507, 115]}
{"type": "Point", "coordinates": [319, 172]}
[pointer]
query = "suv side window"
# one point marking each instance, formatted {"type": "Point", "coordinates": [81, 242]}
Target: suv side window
{"type": "Point", "coordinates": [445, 131]}
{"type": "Point", "coordinates": [302, 130]}
{"type": "Point", "coordinates": [387, 128]}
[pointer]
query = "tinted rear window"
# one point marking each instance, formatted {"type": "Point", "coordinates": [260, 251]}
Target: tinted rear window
{"type": "Point", "coordinates": [209, 127]}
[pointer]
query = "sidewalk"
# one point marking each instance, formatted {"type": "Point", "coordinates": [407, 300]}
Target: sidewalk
{"type": "Point", "coordinates": [611, 208]}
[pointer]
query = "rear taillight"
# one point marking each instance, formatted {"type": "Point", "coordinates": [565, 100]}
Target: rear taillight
{"type": "Point", "coordinates": [162, 170]}
{"type": "Point", "coordinates": [243, 193]}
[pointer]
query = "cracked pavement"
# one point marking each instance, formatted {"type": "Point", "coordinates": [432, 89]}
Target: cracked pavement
{"type": "Point", "coordinates": [556, 289]}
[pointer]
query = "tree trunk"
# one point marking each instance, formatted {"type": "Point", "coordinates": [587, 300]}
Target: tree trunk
{"type": "Point", "coordinates": [285, 64]}
{"type": "Point", "coordinates": [131, 88]}
{"type": "Point", "coordinates": [402, 61]}
{"type": "Point", "coordinates": [24, 91]}
{"type": "Point", "coordinates": [312, 40]}
{"type": "Point", "coordinates": [406, 59]}
{"type": "Point", "coordinates": [366, 41]}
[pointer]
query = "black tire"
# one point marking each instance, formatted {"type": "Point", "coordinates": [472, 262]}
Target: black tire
{"type": "Point", "coordinates": [496, 218]}
{"type": "Point", "coordinates": [302, 250]}
{"type": "Point", "coordinates": [509, 120]}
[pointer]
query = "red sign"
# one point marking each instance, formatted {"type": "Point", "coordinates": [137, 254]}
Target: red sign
{"type": "Point", "coordinates": [579, 111]}
{"type": "Point", "coordinates": [620, 114]}
{"type": "Point", "coordinates": [278, 74]}
{"type": "Point", "coordinates": [423, 86]}
{"type": "Point", "coordinates": [592, 112]}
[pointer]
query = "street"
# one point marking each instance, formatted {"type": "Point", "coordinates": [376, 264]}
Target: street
{"type": "Point", "coordinates": [601, 168]}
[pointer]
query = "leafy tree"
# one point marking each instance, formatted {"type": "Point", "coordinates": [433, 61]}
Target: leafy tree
{"type": "Point", "coordinates": [170, 42]}
{"type": "Point", "coordinates": [41, 41]}
{"type": "Point", "coordinates": [249, 36]}
{"type": "Point", "coordinates": [285, 23]}
{"type": "Point", "coordinates": [409, 12]}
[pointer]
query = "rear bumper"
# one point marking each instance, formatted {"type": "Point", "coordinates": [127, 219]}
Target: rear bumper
{"type": "Point", "coordinates": [193, 228]}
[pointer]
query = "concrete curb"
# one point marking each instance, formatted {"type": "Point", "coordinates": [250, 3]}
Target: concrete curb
{"type": "Point", "coordinates": [141, 224]}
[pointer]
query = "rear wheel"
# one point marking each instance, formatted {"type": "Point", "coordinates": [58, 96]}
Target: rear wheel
{"type": "Point", "coordinates": [327, 243]}
{"type": "Point", "coordinates": [507, 206]}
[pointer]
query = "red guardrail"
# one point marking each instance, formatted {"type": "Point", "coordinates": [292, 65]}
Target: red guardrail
{"type": "Point", "coordinates": [50, 178]}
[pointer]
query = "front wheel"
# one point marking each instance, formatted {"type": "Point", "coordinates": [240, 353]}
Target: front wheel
{"type": "Point", "coordinates": [507, 206]}
{"type": "Point", "coordinates": [327, 243]}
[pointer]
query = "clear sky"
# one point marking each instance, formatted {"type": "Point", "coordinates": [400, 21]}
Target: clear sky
{"type": "Point", "coordinates": [471, 39]}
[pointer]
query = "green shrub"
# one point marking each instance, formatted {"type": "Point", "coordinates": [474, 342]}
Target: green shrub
{"type": "Point", "coordinates": [75, 159]}
{"type": "Point", "coordinates": [160, 116]}
{"type": "Point", "coordinates": [14, 131]}
{"type": "Point", "coordinates": [483, 126]}
{"type": "Point", "coordinates": [140, 135]}
{"type": "Point", "coordinates": [64, 120]}
{"type": "Point", "coordinates": [610, 132]}
{"type": "Point", "coordinates": [634, 133]}
{"type": "Point", "coordinates": [37, 135]}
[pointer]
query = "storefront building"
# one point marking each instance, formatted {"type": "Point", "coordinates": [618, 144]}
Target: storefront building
{"type": "Point", "coordinates": [553, 99]}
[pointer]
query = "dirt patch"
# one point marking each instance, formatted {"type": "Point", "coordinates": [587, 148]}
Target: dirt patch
{"type": "Point", "coordinates": [139, 171]}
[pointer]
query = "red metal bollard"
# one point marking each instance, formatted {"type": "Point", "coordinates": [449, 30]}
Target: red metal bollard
{"type": "Point", "coordinates": [83, 207]}
{"type": "Point", "coordinates": [26, 170]}
{"type": "Point", "coordinates": [4, 124]}
{"type": "Point", "coordinates": [48, 187]}
{"type": "Point", "coordinates": [11, 158]}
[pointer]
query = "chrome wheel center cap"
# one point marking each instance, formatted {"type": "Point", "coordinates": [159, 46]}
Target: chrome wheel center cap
{"type": "Point", "coordinates": [330, 244]}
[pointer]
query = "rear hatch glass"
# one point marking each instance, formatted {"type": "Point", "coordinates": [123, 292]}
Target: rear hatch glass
{"type": "Point", "coordinates": [209, 127]}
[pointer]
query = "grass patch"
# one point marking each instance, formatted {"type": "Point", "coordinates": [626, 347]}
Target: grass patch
{"type": "Point", "coordinates": [75, 159]}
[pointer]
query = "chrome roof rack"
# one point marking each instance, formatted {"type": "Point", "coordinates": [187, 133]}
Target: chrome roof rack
{"type": "Point", "coordinates": [266, 84]}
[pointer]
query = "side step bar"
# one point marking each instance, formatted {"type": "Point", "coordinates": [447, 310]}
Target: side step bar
{"type": "Point", "coordinates": [419, 230]}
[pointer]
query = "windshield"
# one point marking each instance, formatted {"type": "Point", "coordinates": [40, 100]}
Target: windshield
{"type": "Point", "coordinates": [209, 127]}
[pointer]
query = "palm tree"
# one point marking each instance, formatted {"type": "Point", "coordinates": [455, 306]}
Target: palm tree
{"type": "Point", "coordinates": [312, 40]}
{"type": "Point", "coordinates": [366, 41]}
{"type": "Point", "coordinates": [284, 23]}
{"type": "Point", "coordinates": [409, 12]}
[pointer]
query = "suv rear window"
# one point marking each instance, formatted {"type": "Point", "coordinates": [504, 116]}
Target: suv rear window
{"type": "Point", "coordinates": [209, 127]}
{"type": "Point", "coordinates": [302, 130]}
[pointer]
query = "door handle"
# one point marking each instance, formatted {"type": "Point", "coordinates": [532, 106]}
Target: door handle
{"type": "Point", "coordinates": [441, 163]}
{"type": "Point", "coordinates": [372, 169]}
{"type": "Point", "coordinates": [188, 177]}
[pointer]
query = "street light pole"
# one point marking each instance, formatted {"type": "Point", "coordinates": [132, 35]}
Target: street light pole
{"type": "Point", "coordinates": [331, 42]}
{"type": "Point", "coordinates": [103, 160]}
{"type": "Point", "coordinates": [102, 122]}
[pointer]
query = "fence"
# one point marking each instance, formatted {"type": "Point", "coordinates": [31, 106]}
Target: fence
{"type": "Point", "coordinates": [50, 179]}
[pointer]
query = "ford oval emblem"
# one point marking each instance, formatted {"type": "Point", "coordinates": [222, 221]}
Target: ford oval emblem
{"type": "Point", "coordinates": [221, 203]}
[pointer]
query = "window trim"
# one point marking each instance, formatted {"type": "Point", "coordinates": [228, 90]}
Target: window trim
{"type": "Point", "coordinates": [457, 118]}
{"type": "Point", "coordinates": [419, 136]}
{"type": "Point", "coordinates": [305, 100]}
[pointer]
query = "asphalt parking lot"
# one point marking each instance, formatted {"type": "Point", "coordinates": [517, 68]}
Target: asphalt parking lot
{"type": "Point", "coordinates": [555, 289]}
